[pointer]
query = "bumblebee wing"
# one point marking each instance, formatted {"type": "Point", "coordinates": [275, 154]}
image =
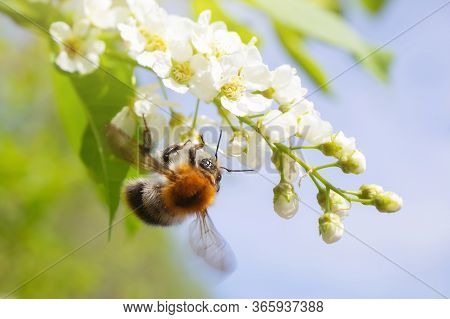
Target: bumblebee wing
{"type": "Point", "coordinates": [126, 148]}
{"type": "Point", "coordinates": [209, 244]}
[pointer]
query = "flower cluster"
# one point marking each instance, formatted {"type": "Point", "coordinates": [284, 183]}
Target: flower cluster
{"type": "Point", "coordinates": [213, 64]}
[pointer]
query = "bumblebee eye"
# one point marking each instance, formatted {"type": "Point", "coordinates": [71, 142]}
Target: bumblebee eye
{"type": "Point", "coordinates": [218, 178]}
{"type": "Point", "coordinates": [207, 164]}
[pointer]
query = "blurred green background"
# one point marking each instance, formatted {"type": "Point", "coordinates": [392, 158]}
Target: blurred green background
{"type": "Point", "coordinates": [49, 205]}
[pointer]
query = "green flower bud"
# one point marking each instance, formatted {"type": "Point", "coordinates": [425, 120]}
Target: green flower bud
{"type": "Point", "coordinates": [338, 204]}
{"type": "Point", "coordinates": [285, 200]}
{"type": "Point", "coordinates": [354, 163]}
{"type": "Point", "coordinates": [329, 148]}
{"type": "Point", "coordinates": [338, 146]}
{"type": "Point", "coordinates": [331, 227]}
{"type": "Point", "coordinates": [388, 202]}
{"type": "Point", "coordinates": [369, 191]}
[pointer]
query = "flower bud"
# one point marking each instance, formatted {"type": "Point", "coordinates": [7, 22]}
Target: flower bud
{"type": "Point", "coordinates": [330, 227]}
{"type": "Point", "coordinates": [285, 200]}
{"type": "Point", "coordinates": [388, 202]}
{"type": "Point", "coordinates": [338, 204]}
{"type": "Point", "coordinates": [125, 121]}
{"type": "Point", "coordinates": [237, 144]}
{"type": "Point", "coordinates": [369, 191]}
{"type": "Point", "coordinates": [338, 146]}
{"type": "Point", "coordinates": [354, 163]}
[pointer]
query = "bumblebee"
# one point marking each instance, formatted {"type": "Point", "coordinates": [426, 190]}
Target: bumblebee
{"type": "Point", "coordinates": [183, 182]}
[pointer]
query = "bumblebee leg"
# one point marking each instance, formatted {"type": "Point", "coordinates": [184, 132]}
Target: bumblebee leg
{"type": "Point", "coordinates": [193, 152]}
{"type": "Point", "coordinates": [169, 151]}
{"type": "Point", "coordinates": [147, 138]}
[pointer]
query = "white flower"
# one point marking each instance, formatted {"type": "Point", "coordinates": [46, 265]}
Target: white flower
{"type": "Point", "coordinates": [237, 145]}
{"type": "Point", "coordinates": [331, 227]}
{"type": "Point", "coordinates": [388, 202]}
{"type": "Point", "coordinates": [103, 14]}
{"type": "Point", "coordinates": [339, 145]}
{"type": "Point", "coordinates": [286, 85]}
{"type": "Point", "coordinates": [338, 204]}
{"type": "Point", "coordinates": [242, 74]}
{"type": "Point", "coordinates": [143, 9]}
{"type": "Point", "coordinates": [214, 40]}
{"type": "Point", "coordinates": [148, 99]}
{"type": "Point", "coordinates": [311, 127]}
{"type": "Point", "coordinates": [278, 126]}
{"type": "Point", "coordinates": [285, 200]}
{"type": "Point", "coordinates": [125, 121]}
{"type": "Point", "coordinates": [354, 163]}
{"type": "Point", "coordinates": [80, 50]}
{"type": "Point", "coordinates": [147, 34]}
{"type": "Point", "coordinates": [192, 74]}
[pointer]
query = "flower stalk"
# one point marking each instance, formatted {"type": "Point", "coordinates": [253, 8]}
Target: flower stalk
{"type": "Point", "coordinates": [213, 64]}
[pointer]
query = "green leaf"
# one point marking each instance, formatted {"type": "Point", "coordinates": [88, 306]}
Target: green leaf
{"type": "Point", "coordinates": [29, 15]}
{"type": "Point", "coordinates": [318, 23]}
{"type": "Point", "coordinates": [373, 6]}
{"type": "Point", "coordinates": [218, 14]}
{"type": "Point", "coordinates": [294, 44]}
{"type": "Point", "coordinates": [332, 5]}
{"type": "Point", "coordinates": [70, 108]}
{"type": "Point", "coordinates": [101, 95]}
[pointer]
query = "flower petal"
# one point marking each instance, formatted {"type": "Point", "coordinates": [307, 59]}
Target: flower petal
{"type": "Point", "coordinates": [177, 87]}
{"type": "Point", "coordinates": [255, 103]}
{"type": "Point", "coordinates": [257, 77]}
{"type": "Point", "coordinates": [60, 31]}
{"type": "Point", "coordinates": [88, 64]}
{"type": "Point", "coordinates": [65, 63]}
{"type": "Point", "coordinates": [234, 107]}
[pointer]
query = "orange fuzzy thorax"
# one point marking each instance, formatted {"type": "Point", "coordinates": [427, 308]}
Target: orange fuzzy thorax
{"type": "Point", "coordinates": [191, 192]}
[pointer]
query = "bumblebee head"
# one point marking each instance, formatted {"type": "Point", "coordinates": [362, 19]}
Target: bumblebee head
{"type": "Point", "coordinates": [210, 166]}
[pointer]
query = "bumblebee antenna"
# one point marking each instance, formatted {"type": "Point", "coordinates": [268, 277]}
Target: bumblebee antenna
{"type": "Point", "coordinates": [237, 170]}
{"type": "Point", "coordinates": [218, 144]}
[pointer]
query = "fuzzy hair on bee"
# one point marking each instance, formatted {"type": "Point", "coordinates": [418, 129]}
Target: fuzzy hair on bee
{"type": "Point", "coordinates": [159, 200]}
{"type": "Point", "coordinates": [182, 182]}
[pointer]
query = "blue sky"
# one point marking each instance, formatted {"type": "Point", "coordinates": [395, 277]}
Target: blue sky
{"type": "Point", "coordinates": [403, 128]}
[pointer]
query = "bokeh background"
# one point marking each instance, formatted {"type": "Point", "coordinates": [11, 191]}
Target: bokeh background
{"type": "Point", "coordinates": [49, 206]}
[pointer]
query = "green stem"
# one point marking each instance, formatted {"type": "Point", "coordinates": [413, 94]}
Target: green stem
{"type": "Point", "coordinates": [308, 147]}
{"type": "Point", "coordinates": [364, 201]}
{"type": "Point", "coordinates": [163, 88]}
{"type": "Point", "coordinates": [285, 149]}
{"type": "Point", "coordinates": [247, 121]}
{"type": "Point", "coordinates": [255, 115]}
{"type": "Point", "coordinates": [226, 118]}
{"type": "Point", "coordinates": [194, 121]}
{"type": "Point", "coordinates": [328, 200]}
{"type": "Point", "coordinates": [352, 193]}
{"type": "Point", "coordinates": [319, 188]}
{"type": "Point", "coordinates": [283, 178]}
{"type": "Point", "coordinates": [318, 168]}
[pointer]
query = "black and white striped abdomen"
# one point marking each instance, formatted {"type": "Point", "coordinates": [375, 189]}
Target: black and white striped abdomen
{"type": "Point", "coordinates": [144, 198]}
